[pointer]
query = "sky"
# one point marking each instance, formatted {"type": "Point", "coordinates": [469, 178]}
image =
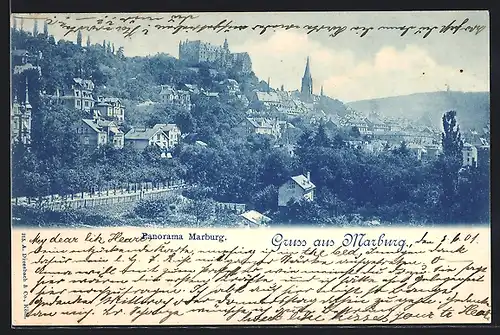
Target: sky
{"type": "Point", "coordinates": [349, 67]}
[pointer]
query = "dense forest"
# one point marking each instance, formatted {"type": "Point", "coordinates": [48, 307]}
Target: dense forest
{"type": "Point", "coordinates": [391, 186]}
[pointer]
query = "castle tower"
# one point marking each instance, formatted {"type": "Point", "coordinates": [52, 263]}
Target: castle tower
{"type": "Point", "coordinates": [321, 91]}
{"type": "Point", "coordinates": [226, 45]}
{"type": "Point", "coordinates": [269, 84]}
{"type": "Point", "coordinates": [307, 84]}
{"type": "Point", "coordinates": [88, 41]}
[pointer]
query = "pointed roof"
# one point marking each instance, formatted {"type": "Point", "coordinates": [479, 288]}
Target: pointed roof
{"type": "Point", "coordinates": [27, 101]}
{"type": "Point", "coordinates": [307, 71]}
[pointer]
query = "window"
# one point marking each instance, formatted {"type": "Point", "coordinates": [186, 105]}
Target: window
{"type": "Point", "coordinates": [158, 137]}
{"type": "Point", "coordinates": [77, 93]}
{"type": "Point", "coordinates": [86, 103]}
{"type": "Point", "coordinates": [77, 103]}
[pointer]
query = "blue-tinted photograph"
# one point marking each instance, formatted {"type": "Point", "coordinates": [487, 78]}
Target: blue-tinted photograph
{"type": "Point", "coordinates": [242, 129]}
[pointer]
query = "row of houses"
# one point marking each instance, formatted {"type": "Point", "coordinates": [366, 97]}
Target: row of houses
{"type": "Point", "coordinates": [79, 95]}
{"type": "Point", "coordinates": [279, 129]}
{"type": "Point", "coordinates": [98, 131]}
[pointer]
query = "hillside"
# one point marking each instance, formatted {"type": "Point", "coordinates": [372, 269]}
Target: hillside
{"type": "Point", "coordinates": [473, 108]}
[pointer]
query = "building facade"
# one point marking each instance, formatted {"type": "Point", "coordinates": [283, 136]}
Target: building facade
{"type": "Point", "coordinates": [171, 96]}
{"type": "Point", "coordinates": [469, 155]}
{"type": "Point", "coordinates": [20, 118]}
{"type": "Point", "coordinates": [79, 95]}
{"type": "Point", "coordinates": [295, 189]}
{"type": "Point", "coordinates": [196, 52]}
{"type": "Point", "coordinates": [97, 132]}
{"type": "Point", "coordinates": [111, 109]}
{"type": "Point", "coordinates": [164, 136]}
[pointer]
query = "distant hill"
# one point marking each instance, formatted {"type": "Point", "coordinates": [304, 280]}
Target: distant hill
{"type": "Point", "coordinates": [473, 108]}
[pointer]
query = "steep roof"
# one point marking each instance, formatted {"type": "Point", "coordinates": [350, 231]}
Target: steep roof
{"type": "Point", "coordinates": [167, 127]}
{"type": "Point", "coordinates": [255, 217]}
{"type": "Point", "coordinates": [303, 182]}
{"type": "Point", "coordinates": [307, 71]}
{"type": "Point", "coordinates": [92, 125]}
{"type": "Point", "coordinates": [100, 125]}
{"type": "Point", "coordinates": [146, 134]}
{"type": "Point", "coordinates": [267, 96]}
{"type": "Point", "coordinates": [260, 122]}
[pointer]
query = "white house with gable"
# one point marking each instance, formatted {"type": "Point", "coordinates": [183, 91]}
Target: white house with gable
{"type": "Point", "coordinates": [296, 188]}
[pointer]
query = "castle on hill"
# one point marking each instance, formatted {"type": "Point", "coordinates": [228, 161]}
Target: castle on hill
{"type": "Point", "coordinates": [196, 52]}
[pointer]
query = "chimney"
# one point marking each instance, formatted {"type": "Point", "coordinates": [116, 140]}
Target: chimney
{"type": "Point", "coordinates": [308, 176]}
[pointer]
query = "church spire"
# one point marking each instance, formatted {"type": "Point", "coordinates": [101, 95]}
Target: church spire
{"type": "Point", "coordinates": [27, 101]}
{"type": "Point", "coordinates": [307, 71]}
{"type": "Point", "coordinates": [46, 28]}
{"type": "Point", "coordinates": [307, 84]}
{"type": "Point", "coordinates": [321, 90]}
{"type": "Point", "coordinates": [226, 45]}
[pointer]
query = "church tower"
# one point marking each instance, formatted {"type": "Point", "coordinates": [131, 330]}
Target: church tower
{"type": "Point", "coordinates": [307, 84]}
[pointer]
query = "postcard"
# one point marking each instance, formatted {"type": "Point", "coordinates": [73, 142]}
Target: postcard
{"type": "Point", "coordinates": [291, 168]}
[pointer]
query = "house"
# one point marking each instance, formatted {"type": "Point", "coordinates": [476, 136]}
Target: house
{"type": "Point", "coordinates": [432, 151]}
{"type": "Point", "coordinates": [376, 125]}
{"type": "Point", "coordinates": [140, 138]}
{"type": "Point", "coordinates": [19, 57]}
{"type": "Point", "coordinates": [267, 99]}
{"type": "Point", "coordinates": [469, 154]}
{"type": "Point", "coordinates": [359, 123]}
{"type": "Point", "coordinates": [111, 108]}
{"type": "Point", "coordinates": [171, 96]}
{"type": "Point", "coordinates": [483, 154]}
{"type": "Point", "coordinates": [173, 133]}
{"type": "Point", "coordinates": [96, 132]}
{"type": "Point", "coordinates": [79, 95]}
{"type": "Point", "coordinates": [259, 125]}
{"type": "Point", "coordinates": [254, 218]}
{"type": "Point", "coordinates": [230, 86]}
{"type": "Point", "coordinates": [296, 188]}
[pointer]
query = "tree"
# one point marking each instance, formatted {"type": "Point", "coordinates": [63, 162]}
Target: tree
{"type": "Point", "coordinates": [321, 139]}
{"type": "Point", "coordinates": [202, 209]}
{"type": "Point", "coordinates": [451, 138]}
{"type": "Point", "coordinates": [79, 38]}
{"type": "Point", "coordinates": [450, 162]}
{"type": "Point", "coordinates": [402, 150]}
